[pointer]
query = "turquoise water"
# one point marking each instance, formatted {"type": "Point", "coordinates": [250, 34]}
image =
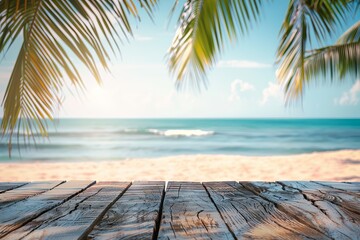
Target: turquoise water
{"type": "Point", "coordinates": [104, 139]}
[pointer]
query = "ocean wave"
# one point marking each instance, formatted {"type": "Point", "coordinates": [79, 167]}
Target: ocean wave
{"type": "Point", "coordinates": [181, 132]}
{"type": "Point", "coordinates": [128, 131]}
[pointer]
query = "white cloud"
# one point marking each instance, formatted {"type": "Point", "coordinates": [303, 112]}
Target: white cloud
{"type": "Point", "coordinates": [242, 64]}
{"type": "Point", "coordinates": [350, 97]}
{"type": "Point", "coordinates": [238, 86]}
{"type": "Point", "coordinates": [273, 90]}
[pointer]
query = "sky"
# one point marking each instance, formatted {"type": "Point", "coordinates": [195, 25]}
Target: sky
{"type": "Point", "coordinates": [242, 85]}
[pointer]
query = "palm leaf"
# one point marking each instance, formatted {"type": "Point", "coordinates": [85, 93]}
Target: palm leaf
{"type": "Point", "coordinates": [337, 61]}
{"type": "Point", "coordinates": [204, 28]}
{"type": "Point", "coordinates": [304, 17]}
{"type": "Point", "coordinates": [58, 36]}
{"type": "Point", "coordinates": [334, 62]}
{"type": "Point", "coordinates": [351, 35]}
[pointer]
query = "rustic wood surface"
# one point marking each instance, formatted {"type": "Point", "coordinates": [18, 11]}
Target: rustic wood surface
{"type": "Point", "coordinates": [188, 212]}
{"type": "Point", "coordinates": [250, 216]}
{"type": "Point", "coordinates": [21, 212]}
{"type": "Point", "coordinates": [342, 208]}
{"type": "Point", "coordinates": [76, 217]}
{"type": "Point", "coordinates": [12, 196]}
{"type": "Point", "coordinates": [185, 210]}
{"type": "Point", "coordinates": [5, 186]}
{"type": "Point", "coordinates": [298, 206]}
{"type": "Point", "coordinates": [348, 187]}
{"type": "Point", "coordinates": [135, 215]}
{"type": "Point", "coordinates": [316, 192]}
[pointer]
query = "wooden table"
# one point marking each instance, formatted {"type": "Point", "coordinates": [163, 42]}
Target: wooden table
{"type": "Point", "coordinates": [179, 210]}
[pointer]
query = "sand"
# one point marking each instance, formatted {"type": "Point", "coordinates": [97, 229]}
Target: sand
{"type": "Point", "coordinates": [341, 165]}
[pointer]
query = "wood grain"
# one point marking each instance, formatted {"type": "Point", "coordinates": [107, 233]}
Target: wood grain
{"type": "Point", "coordinates": [249, 216]}
{"type": "Point", "coordinates": [187, 210]}
{"type": "Point", "coordinates": [75, 218]}
{"type": "Point", "coordinates": [134, 215]}
{"type": "Point", "coordinates": [341, 207]}
{"type": "Point", "coordinates": [31, 189]}
{"type": "Point", "coordinates": [20, 213]}
{"type": "Point", "coordinates": [296, 204]}
{"type": "Point", "coordinates": [352, 188]}
{"type": "Point", "coordinates": [319, 192]}
{"type": "Point", "coordinates": [6, 186]}
{"type": "Point", "coordinates": [189, 213]}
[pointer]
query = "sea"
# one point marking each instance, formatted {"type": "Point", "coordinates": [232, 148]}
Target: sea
{"type": "Point", "coordinates": [117, 139]}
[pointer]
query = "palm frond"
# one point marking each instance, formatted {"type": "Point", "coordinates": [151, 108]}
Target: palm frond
{"type": "Point", "coordinates": [304, 17]}
{"type": "Point", "coordinates": [351, 35]}
{"type": "Point", "coordinates": [337, 61]}
{"type": "Point", "coordinates": [205, 26]}
{"type": "Point", "coordinates": [58, 37]}
{"type": "Point", "coordinates": [334, 62]}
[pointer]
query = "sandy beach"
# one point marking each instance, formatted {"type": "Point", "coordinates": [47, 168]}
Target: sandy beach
{"type": "Point", "coordinates": [341, 165]}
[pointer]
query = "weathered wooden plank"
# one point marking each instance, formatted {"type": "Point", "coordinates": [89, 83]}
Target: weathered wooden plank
{"type": "Point", "coordinates": [341, 207]}
{"type": "Point", "coordinates": [31, 189]}
{"type": "Point", "coordinates": [294, 203]}
{"type": "Point", "coordinates": [75, 218]}
{"type": "Point", "coordinates": [189, 213]}
{"type": "Point", "coordinates": [21, 212]}
{"type": "Point", "coordinates": [352, 188]}
{"type": "Point", "coordinates": [354, 183]}
{"type": "Point", "coordinates": [319, 192]}
{"type": "Point", "coordinates": [6, 186]}
{"type": "Point", "coordinates": [134, 215]}
{"type": "Point", "coordinates": [249, 216]}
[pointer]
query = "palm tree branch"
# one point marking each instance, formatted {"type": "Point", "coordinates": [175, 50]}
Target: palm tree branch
{"type": "Point", "coordinates": [319, 17]}
{"type": "Point", "coordinates": [334, 62]}
{"type": "Point", "coordinates": [204, 27]}
{"type": "Point", "coordinates": [351, 35]}
{"type": "Point", "coordinates": [57, 36]}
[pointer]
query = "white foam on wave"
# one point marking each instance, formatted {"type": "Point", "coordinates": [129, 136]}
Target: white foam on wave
{"type": "Point", "coordinates": [181, 132]}
{"type": "Point", "coordinates": [155, 131]}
